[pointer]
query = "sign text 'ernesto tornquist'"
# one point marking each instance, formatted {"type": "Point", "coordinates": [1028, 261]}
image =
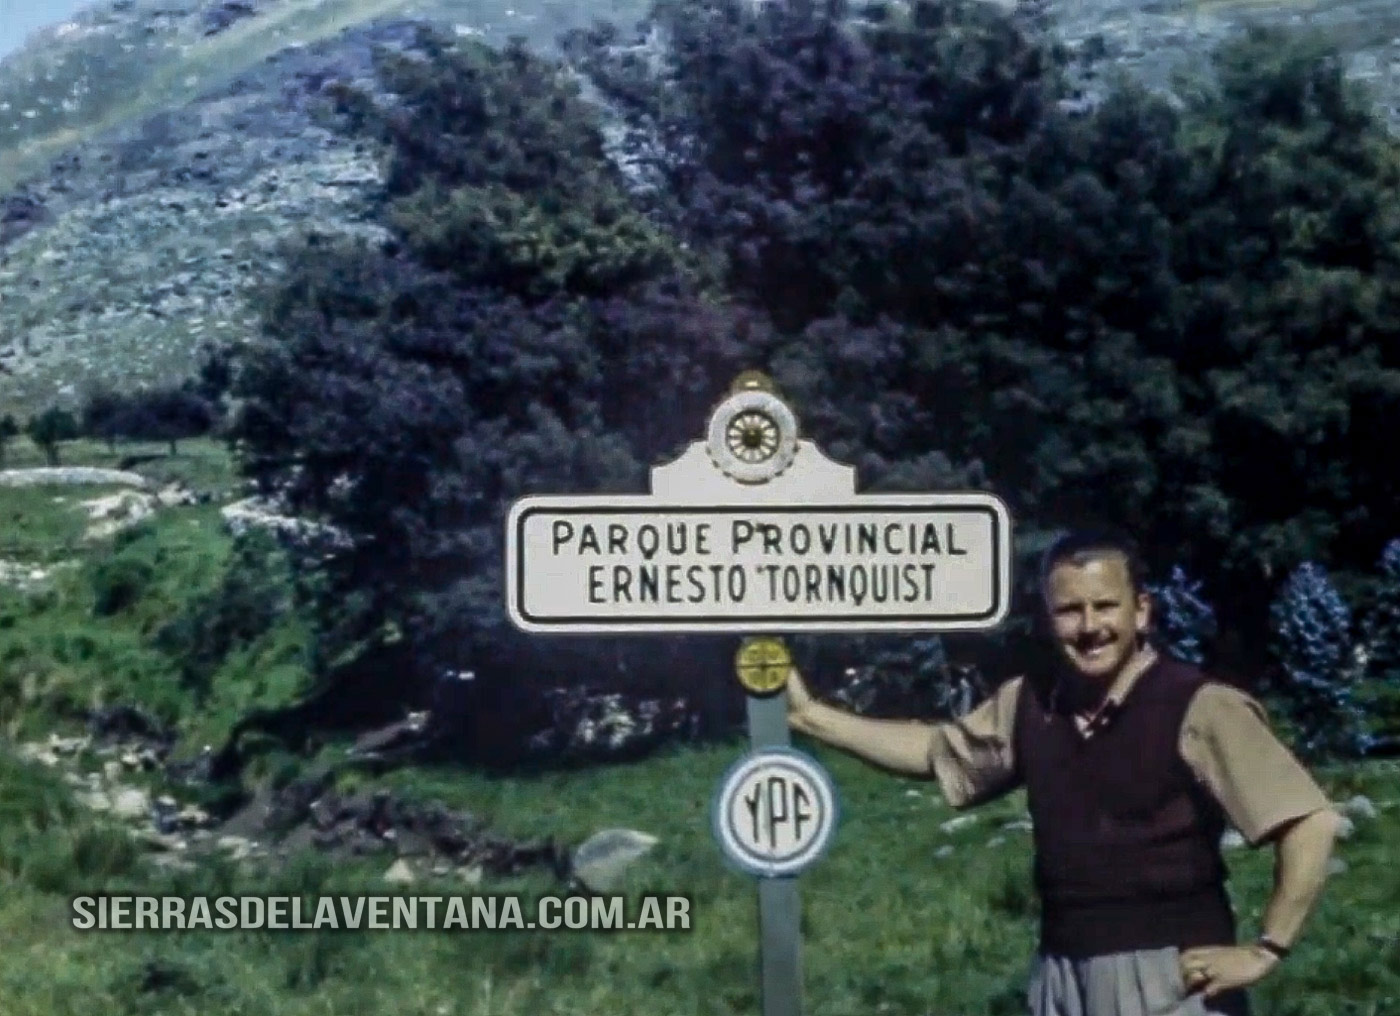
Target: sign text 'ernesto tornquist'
{"type": "Point", "coordinates": [912, 562]}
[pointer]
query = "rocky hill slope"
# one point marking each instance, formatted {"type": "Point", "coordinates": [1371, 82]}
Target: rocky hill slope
{"type": "Point", "coordinates": [153, 151]}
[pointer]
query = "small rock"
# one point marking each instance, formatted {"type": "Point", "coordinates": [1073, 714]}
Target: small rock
{"type": "Point", "coordinates": [131, 760]}
{"type": "Point", "coordinates": [131, 802]}
{"type": "Point", "coordinates": [996, 841]}
{"type": "Point", "coordinates": [1018, 824]}
{"type": "Point", "coordinates": [913, 793]}
{"type": "Point", "coordinates": [601, 860]}
{"type": "Point", "coordinates": [158, 840]}
{"type": "Point", "coordinates": [399, 873]}
{"type": "Point", "coordinates": [954, 824]}
{"type": "Point", "coordinates": [944, 851]}
{"type": "Point", "coordinates": [112, 770]}
{"type": "Point", "coordinates": [96, 800]}
{"type": "Point", "coordinates": [67, 745]}
{"type": "Point", "coordinates": [1346, 828]}
{"type": "Point", "coordinates": [1232, 840]}
{"type": "Point", "coordinates": [1336, 866]}
{"type": "Point", "coordinates": [172, 862]}
{"type": "Point", "coordinates": [238, 847]}
{"type": "Point", "coordinates": [192, 815]}
{"type": "Point", "coordinates": [471, 874]}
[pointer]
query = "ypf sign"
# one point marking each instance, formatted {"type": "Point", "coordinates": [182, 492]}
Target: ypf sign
{"type": "Point", "coordinates": [775, 813]}
{"type": "Point", "coordinates": [755, 530]}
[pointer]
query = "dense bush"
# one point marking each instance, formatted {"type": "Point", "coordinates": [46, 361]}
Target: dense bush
{"type": "Point", "coordinates": [1184, 621]}
{"type": "Point", "coordinates": [1382, 623]}
{"type": "Point", "coordinates": [9, 430]}
{"type": "Point", "coordinates": [247, 602]}
{"type": "Point", "coordinates": [50, 429]}
{"type": "Point", "coordinates": [1314, 643]}
{"type": "Point", "coordinates": [170, 413]}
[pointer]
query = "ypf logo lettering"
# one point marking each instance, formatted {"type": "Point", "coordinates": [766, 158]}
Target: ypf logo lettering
{"type": "Point", "coordinates": [775, 812]}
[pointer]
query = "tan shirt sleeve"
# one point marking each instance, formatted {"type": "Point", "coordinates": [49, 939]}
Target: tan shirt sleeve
{"type": "Point", "coordinates": [972, 756]}
{"type": "Point", "coordinates": [1227, 742]}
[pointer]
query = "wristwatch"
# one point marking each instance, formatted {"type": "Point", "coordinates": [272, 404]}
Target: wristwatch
{"type": "Point", "coordinates": [1268, 944]}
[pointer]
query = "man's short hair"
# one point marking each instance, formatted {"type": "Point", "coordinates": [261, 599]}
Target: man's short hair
{"type": "Point", "coordinates": [1079, 546]}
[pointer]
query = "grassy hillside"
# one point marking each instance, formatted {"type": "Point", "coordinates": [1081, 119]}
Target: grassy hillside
{"type": "Point", "coordinates": [901, 918]}
{"type": "Point", "coordinates": [115, 65]}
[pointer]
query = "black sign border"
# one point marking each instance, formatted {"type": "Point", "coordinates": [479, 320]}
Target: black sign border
{"type": "Point", "coordinates": [728, 620]}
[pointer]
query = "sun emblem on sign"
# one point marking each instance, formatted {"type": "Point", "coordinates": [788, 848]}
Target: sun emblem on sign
{"type": "Point", "coordinates": [752, 434]}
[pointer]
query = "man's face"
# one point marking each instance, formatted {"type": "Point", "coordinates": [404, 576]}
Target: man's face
{"type": "Point", "coordinates": [1094, 614]}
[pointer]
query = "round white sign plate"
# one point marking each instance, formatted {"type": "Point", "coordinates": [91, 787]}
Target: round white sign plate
{"type": "Point", "coordinates": [775, 812]}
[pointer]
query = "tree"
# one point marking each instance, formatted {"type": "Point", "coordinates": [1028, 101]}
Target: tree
{"type": "Point", "coordinates": [214, 377]}
{"type": "Point", "coordinates": [105, 416]}
{"type": "Point", "coordinates": [1185, 622]}
{"type": "Point", "coordinates": [167, 414]}
{"type": "Point", "coordinates": [1288, 253]}
{"type": "Point", "coordinates": [1313, 644]}
{"type": "Point", "coordinates": [515, 337]}
{"type": "Point", "coordinates": [8, 431]}
{"type": "Point", "coordinates": [50, 429]}
{"type": "Point", "coordinates": [1382, 624]}
{"type": "Point", "coordinates": [1186, 320]}
{"type": "Point", "coordinates": [1381, 638]}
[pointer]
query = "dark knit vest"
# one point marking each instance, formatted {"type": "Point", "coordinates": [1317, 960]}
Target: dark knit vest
{"type": "Point", "coordinates": [1127, 845]}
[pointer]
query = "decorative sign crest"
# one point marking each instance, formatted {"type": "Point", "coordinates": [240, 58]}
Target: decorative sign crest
{"type": "Point", "coordinates": [752, 434]}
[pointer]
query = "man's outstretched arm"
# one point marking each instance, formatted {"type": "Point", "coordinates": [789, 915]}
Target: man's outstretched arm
{"type": "Point", "coordinates": [970, 756]}
{"type": "Point", "coordinates": [900, 746]}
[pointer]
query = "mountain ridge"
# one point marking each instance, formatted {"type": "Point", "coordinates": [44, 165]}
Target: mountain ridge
{"type": "Point", "coordinates": [138, 211]}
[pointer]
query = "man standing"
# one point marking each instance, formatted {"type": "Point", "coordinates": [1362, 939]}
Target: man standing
{"type": "Point", "coordinates": [1133, 763]}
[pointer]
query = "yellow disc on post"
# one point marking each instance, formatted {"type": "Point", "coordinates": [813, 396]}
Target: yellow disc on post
{"type": "Point", "coordinates": [763, 665]}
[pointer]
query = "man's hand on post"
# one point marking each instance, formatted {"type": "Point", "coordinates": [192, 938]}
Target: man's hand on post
{"type": "Point", "coordinates": [800, 701]}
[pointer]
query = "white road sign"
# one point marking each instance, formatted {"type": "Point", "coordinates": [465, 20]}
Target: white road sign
{"type": "Point", "coordinates": [775, 812]}
{"type": "Point", "coordinates": [923, 562]}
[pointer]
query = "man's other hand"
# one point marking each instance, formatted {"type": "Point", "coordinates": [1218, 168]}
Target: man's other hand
{"type": "Point", "coordinates": [1213, 969]}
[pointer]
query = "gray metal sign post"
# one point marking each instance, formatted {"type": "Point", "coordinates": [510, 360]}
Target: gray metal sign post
{"type": "Point", "coordinates": [754, 530]}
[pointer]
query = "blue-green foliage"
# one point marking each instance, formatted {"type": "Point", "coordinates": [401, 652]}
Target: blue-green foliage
{"type": "Point", "coordinates": [1381, 630]}
{"type": "Point", "coordinates": [1185, 622]}
{"type": "Point", "coordinates": [1383, 618]}
{"type": "Point", "coordinates": [1312, 639]}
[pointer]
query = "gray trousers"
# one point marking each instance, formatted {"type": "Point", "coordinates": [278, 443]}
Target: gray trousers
{"type": "Point", "coordinates": [1144, 983]}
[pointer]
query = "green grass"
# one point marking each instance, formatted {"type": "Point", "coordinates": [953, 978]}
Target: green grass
{"type": "Point", "coordinates": [202, 464]}
{"type": "Point", "coordinates": [887, 926]}
{"type": "Point", "coordinates": [89, 634]}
